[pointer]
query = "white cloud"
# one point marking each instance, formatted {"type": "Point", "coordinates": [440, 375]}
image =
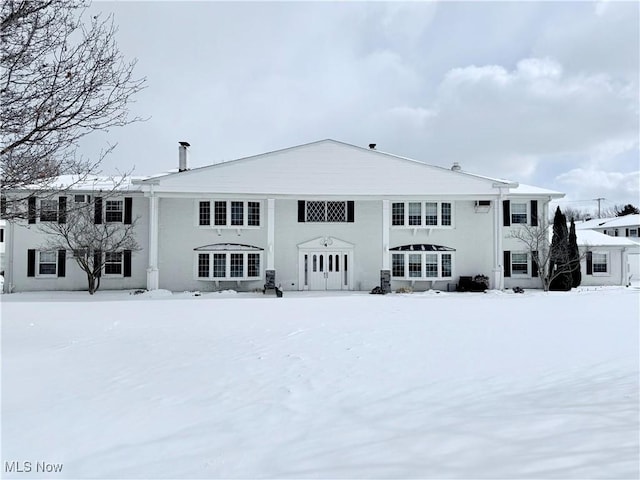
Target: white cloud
{"type": "Point", "coordinates": [616, 187]}
{"type": "Point", "coordinates": [494, 118]}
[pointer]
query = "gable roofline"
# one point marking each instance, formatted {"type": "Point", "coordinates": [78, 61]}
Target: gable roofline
{"type": "Point", "coordinates": [155, 179]}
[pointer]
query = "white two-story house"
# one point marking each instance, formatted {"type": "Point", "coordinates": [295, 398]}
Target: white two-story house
{"type": "Point", "coordinates": [321, 216]}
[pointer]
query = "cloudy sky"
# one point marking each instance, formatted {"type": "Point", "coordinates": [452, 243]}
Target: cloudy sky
{"type": "Point", "coordinates": [538, 92]}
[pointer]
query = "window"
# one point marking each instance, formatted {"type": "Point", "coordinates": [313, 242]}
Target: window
{"type": "Point", "coordinates": [237, 265]}
{"type": "Point", "coordinates": [431, 213]}
{"type": "Point", "coordinates": [415, 265]}
{"type": "Point", "coordinates": [446, 213]}
{"type": "Point", "coordinates": [415, 213]}
{"type": "Point", "coordinates": [219, 265]}
{"type": "Point", "coordinates": [113, 211]}
{"type": "Point", "coordinates": [237, 213]}
{"type": "Point", "coordinates": [253, 214]}
{"type": "Point", "coordinates": [228, 265]}
{"type": "Point", "coordinates": [633, 232]}
{"type": "Point", "coordinates": [397, 214]}
{"type": "Point", "coordinates": [519, 264]}
{"type": "Point", "coordinates": [220, 212]}
{"type": "Point", "coordinates": [47, 263]}
{"type": "Point", "coordinates": [48, 210]}
{"type": "Point", "coordinates": [253, 265]}
{"type": "Point", "coordinates": [318, 211]}
{"type": "Point", "coordinates": [599, 263]}
{"type": "Point", "coordinates": [203, 265]}
{"type": "Point", "coordinates": [81, 198]}
{"type": "Point", "coordinates": [422, 214]}
{"type": "Point", "coordinates": [518, 213]}
{"type": "Point", "coordinates": [334, 211]}
{"type": "Point", "coordinates": [113, 263]}
{"type": "Point", "coordinates": [431, 265]}
{"type": "Point", "coordinates": [229, 214]}
{"type": "Point", "coordinates": [204, 213]}
{"type": "Point", "coordinates": [426, 265]}
{"type": "Point", "coordinates": [397, 265]}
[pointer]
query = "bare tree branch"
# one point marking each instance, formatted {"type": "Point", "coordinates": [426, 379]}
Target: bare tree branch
{"type": "Point", "coordinates": [62, 78]}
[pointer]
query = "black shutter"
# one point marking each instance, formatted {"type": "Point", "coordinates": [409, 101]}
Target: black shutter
{"type": "Point", "coordinates": [300, 210]}
{"type": "Point", "coordinates": [126, 271]}
{"type": "Point", "coordinates": [62, 260]}
{"type": "Point", "coordinates": [589, 263]}
{"type": "Point", "coordinates": [534, 264]}
{"type": "Point", "coordinates": [507, 262]}
{"type": "Point", "coordinates": [62, 210]}
{"type": "Point", "coordinates": [31, 263]}
{"type": "Point", "coordinates": [97, 262]}
{"type": "Point", "coordinates": [31, 209]}
{"type": "Point", "coordinates": [350, 211]}
{"type": "Point", "coordinates": [534, 213]}
{"type": "Point", "coordinates": [626, 232]}
{"type": "Point", "coordinates": [128, 202]}
{"type": "Point", "coordinates": [506, 213]}
{"type": "Point", "coordinates": [97, 219]}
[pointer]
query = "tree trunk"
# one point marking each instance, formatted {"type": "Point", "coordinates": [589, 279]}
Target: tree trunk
{"type": "Point", "coordinates": [92, 283]}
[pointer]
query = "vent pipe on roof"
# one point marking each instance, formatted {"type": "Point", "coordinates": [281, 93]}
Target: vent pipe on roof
{"type": "Point", "coordinates": [372, 146]}
{"type": "Point", "coordinates": [182, 156]}
{"type": "Point", "coordinates": [456, 167]}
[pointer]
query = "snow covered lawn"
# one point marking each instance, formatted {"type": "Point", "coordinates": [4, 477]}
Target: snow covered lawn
{"type": "Point", "coordinates": [495, 385]}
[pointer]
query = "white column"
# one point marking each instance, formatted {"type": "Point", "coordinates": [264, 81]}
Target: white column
{"type": "Point", "coordinates": [498, 270]}
{"type": "Point", "coordinates": [271, 233]}
{"type": "Point", "coordinates": [385, 235]}
{"type": "Point", "coordinates": [152, 270]}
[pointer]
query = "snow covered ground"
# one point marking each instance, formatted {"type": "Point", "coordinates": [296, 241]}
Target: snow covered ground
{"type": "Point", "coordinates": [495, 385]}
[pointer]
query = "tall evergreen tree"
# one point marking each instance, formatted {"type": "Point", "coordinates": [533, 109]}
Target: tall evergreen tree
{"type": "Point", "coordinates": [574, 256]}
{"type": "Point", "coordinates": [560, 266]}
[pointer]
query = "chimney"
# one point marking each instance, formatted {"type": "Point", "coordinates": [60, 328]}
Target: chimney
{"type": "Point", "coordinates": [182, 156]}
{"type": "Point", "coordinates": [372, 146]}
{"type": "Point", "coordinates": [456, 167]}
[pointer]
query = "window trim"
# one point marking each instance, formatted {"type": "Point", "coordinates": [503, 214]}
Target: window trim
{"type": "Point", "coordinates": [246, 224]}
{"type": "Point", "coordinates": [121, 263]}
{"type": "Point", "coordinates": [106, 202]}
{"type": "Point", "coordinates": [423, 256]}
{"type": "Point", "coordinates": [326, 211]}
{"type": "Point", "coordinates": [514, 273]}
{"type": "Point", "coordinates": [527, 213]}
{"type": "Point", "coordinates": [607, 257]}
{"type": "Point", "coordinates": [55, 210]}
{"type": "Point", "coordinates": [423, 214]}
{"type": "Point", "coordinates": [39, 263]}
{"type": "Point", "coordinates": [227, 253]}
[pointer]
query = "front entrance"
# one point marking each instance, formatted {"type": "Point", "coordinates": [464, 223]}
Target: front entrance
{"type": "Point", "coordinates": [327, 270]}
{"type": "Point", "coordinates": [325, 264]}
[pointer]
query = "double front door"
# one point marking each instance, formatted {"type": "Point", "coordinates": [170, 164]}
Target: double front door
{"type": "Point", "coordinates": [327, 270]}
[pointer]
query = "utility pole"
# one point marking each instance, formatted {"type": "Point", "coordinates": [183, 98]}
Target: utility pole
{"type": "Point", "coordinates": [599, 200]}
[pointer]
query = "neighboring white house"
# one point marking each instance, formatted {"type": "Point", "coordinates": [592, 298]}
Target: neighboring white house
{"type": "Point", "coordinates": [321, 216]}
{"type": "Point", "coordinates": [609, 259]}
{"type": "Point", "coordinates": [625, 226]}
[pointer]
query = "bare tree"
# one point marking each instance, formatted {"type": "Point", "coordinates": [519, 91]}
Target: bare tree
{"type": "Point", "coordinates": [95, 244]}
{"type": "Point", "coordinates": [575, 213]}
{"type": "Point", "coordinates": [551, 264]}
{"type": "Point", "coordinates": [62, 78]}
